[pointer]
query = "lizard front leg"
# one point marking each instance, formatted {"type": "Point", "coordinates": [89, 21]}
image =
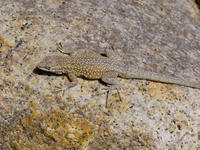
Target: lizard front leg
{"type": "Point", "coordinates": [73, 82]}
{"type": "Point", "coordinates": [72, 52]}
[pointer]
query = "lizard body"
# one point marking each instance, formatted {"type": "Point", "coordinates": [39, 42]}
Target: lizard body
{"type": "Point", "coordinates": [95, 66]}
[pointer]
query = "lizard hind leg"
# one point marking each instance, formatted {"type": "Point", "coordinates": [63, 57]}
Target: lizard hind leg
{"type": "Point", "coordinates": [110, 78]}
{"type": "Point", "coordinates": [109, 91]}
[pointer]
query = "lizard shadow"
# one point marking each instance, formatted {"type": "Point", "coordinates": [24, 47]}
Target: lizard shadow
{"type": "Point", "coordinates": [45, 73]}
{"type": "Point", "coordinates": [48, 73]}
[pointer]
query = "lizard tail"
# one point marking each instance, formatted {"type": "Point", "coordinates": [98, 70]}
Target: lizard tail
{"type": "Point", "coordinates": [142, 74]}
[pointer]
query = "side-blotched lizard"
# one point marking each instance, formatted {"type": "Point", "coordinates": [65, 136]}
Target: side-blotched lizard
{"type": "Point", "coordinates": [92, 65]}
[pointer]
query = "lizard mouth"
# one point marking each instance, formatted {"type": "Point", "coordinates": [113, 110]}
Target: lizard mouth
{"type": "Point", "coordinates": [43, 68]}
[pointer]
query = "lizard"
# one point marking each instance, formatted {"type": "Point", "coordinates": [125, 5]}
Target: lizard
{"type": "Point", "coordinates": [92, 65]}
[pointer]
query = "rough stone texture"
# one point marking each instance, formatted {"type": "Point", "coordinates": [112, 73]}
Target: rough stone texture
{"type": "Point", "coordinates": [161, 36]}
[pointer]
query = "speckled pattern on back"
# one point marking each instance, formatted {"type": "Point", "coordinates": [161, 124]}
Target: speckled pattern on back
{"type": "Point", "coordinates": [92, 65]}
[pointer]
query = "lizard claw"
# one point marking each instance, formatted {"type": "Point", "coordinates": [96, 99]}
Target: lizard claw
{"type": "Point", "coordinates": [112, 87]}
{"type": "Point", "coordinates": [59, 89]}
{"type": "Point", "coordinates": [68, 86]}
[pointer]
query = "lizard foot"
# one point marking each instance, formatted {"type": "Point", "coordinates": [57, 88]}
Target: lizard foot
{"type": "Point", "coordinates": [112, 87]}
{"type": "Point", "coordinates": [64, 88]}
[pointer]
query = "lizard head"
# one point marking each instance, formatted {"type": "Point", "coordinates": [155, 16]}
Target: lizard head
{"type": "Point", "coordinates": [52, 64]}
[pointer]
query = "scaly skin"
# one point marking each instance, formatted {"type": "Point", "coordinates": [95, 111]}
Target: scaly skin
{"type": "Point", "coordinates": [95, 66]}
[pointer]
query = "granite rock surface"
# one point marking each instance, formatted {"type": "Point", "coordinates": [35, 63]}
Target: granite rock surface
{"type": "Point", "coordinates": [160, 36]}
